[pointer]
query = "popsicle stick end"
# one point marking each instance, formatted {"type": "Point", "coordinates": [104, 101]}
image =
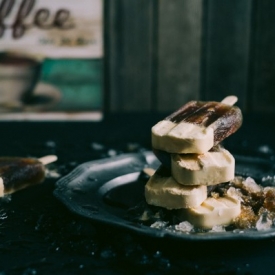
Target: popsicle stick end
{"type": "Point", "coordinates": [230, 100]}
{"type": "Point", "coordinates": [48, 159]}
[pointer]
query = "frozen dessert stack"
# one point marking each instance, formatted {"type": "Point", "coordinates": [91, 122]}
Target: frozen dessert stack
{"type": "Point", "coordinates": [187, 143]}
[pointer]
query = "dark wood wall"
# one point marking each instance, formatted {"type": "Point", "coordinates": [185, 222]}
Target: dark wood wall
{"type": "Point", "coordinates": [160, 54]}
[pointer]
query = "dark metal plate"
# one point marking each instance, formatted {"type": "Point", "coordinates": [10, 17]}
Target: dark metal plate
{"type": "Point", "coordinates": [105, 189]}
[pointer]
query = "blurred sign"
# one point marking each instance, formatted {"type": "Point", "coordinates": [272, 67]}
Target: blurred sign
{"type": "Point", "coordinates": [52, 28]}
{"type": "Point", "coordinates": [51, 59]}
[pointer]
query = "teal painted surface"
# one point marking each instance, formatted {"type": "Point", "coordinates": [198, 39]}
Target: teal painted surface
{"type": "Point", "coordinates": [79, 82]}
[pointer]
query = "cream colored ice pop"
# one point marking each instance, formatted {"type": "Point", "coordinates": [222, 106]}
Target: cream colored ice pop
{"type": "Point", "coordinates": [213, 167]}
{"type": "Point", "coordinates": [197, 126]}
{"type": "Point", "coordinates": [213, 212]}
{"type": "Point", "coordinates": [162, 190]}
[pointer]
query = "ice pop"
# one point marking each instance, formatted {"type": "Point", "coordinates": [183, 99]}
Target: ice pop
{"type": "Point", "coordinates": [162, 190]}
{"type": "Point", "coordinates": [213, 212]}
{"type": "Point", "coordinates": [213, 167]}
{"type": "Point", "coordinates": [17, 173]}
{"type": "Point", "coordinates": [197, 126]}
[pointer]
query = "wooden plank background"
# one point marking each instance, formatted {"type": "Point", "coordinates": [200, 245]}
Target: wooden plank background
{"type": "Point", "coordinates": [179, 45]}
{"type": "Point", "coordinates": [263, 57]}
{"type": "Point", "coordinates": [160, 54]}
{"type": "Point", "coordinates": [128, 34]}
{"type": "Point", "coordinates": [226, 42]}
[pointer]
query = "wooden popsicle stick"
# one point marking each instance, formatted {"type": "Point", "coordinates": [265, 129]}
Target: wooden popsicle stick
{"type": "Point", "coordinates": [149, 171]}
{"type": "Point", "coordinates": [230, 100]}
{"type": "Point", "coordinates": [48, 159]}
{"type": "Point", "coordinates": [2, 187]}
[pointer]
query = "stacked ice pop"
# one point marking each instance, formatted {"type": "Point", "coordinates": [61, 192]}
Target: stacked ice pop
{"type": "Point", "coordinates": [188, 144]}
